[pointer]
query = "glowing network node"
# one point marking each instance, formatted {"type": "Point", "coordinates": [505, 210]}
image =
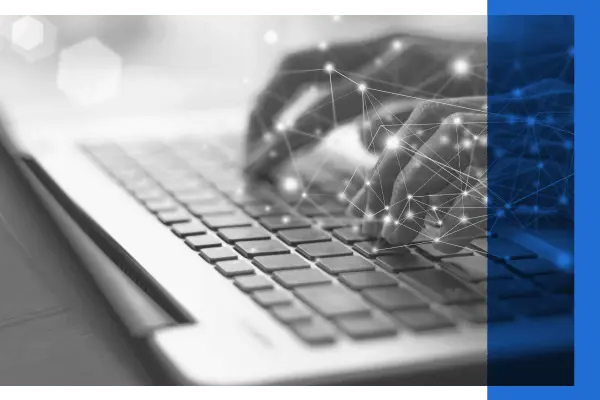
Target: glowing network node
{"type": "Point", "coordinates": [323, 46]}
{"type": "Point", "coordinates": [465, 193]}
{"type": "Point", "coordinates": [434, 208]}
{"type": "Point", "coordinates": [355, 228]}
{"type": "Point", "coordinates": [409, 215]}
{"type": "Point", "coordinates": [367, 183]}
{"type": "Point", "coordinates": [439, 223]}
{"type": "Point", "coordinates": [369, 216]}
{"type": "Point", "coordinates": [464, 219]}
{"type": "Point", "coordinates": [89, 72]}
{"type": "Point", "coordinates": [409, 196]}
{"type": "Point", "coordinates": [392, 143]}
{"type": "Point", "coordinates": [280, 127]}
{"type": "Point", "coordinates": [271, 37]}
{"type": "Point", "coordinates": [457, 121]}
{"type": "Point", "coordinates": [290, 184]}
{"type": "Point", "coordinates": [467, 143]}
{"type": "Point", "coordinates": [285, 219]}
{"type": "Point", "coordinates": [436, 239]}
{"type": "Point", "coordinates": [517, 92]}
{"type": "Point", "coordinates": [303, 195]}
{"type": "Point", "coordinates": [386, 208]}
{"type": "Point", "coordinates": [530, 121]}
{"type": "Point", "coordinates": [329, 67]}
{"type": "Point", "coordinates": [362, 87]}
{"type": "Point", "coordinates": [461, 67]}
{"type": "Point", "coordinates": [374, 249]}
{"type": "Point", "coordinates": [397, 44]}
{"type": "Point", "coordinates": [444, 139]}
{"type": "Point", "coordinates": [396, 223]}
{"type": "Point", "coordinates": [268, 137]}
{"type": "Point", "coordinates": [387, 219]}
{"type": "Point", "coordinates": [341, 196]}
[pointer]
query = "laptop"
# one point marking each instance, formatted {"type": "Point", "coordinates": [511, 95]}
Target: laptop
{"type": "Point", "coordinates": [272, 283]}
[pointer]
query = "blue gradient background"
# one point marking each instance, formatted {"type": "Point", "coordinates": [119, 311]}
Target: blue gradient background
{"type": "Point", "coordinates": [586, 145]}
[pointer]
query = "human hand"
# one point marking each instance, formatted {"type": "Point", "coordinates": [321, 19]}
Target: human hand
{"type": "Point", "coordinates": [435, 167]}
{"type": "Point", "coordinates": [356, 77]}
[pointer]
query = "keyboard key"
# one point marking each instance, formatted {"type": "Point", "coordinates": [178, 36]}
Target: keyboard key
{"type": "Point", "coordinates": [226, 221]}
{"type": "Point", "coordinates": [482, 313]}
{"type": "Point", "coordinates": [202, 210]}
{"type": "Point", "coordinates": [287, 221]}
{"type": "Point", "coordinates": [502, 249]}
{"type": "Point", "coordinates": [246, 198]}
{"type": "Point", "coordinates": [329, 223]}
{"type": "Point", "coordinates": [403, 262]}
{"type": "Point", "coordinates": [265, 210]}
{"type": "Point", "coordinates": [159, 205]}
{"type": "Point", "coordinates": [270, 298]}
{"type": "Point", "coordinates": [235, 268]}
{"type": "Point", "coordinates": [313, 251]}
{"type": "Point", "coordinates": [202, 241]}
{"type": "Point", "coordinates": [476, 268]}
{"type": "Point", "coordinates": [350, 235]}
{"type": "Point", "coordinates": [367, 280]}
{"type": "Point", "coordinates": [149, 194]}
{"type": "Point", "coordinates": [393, 298]}
{"type": "Point", "coordinates": [367, 326]}
{"type": "Point", "coordinates": [379, 248]}
{"type": "Point", "coordinates": [431, 252]}
{"type": "Point", "coordinates": [332, 300]}
{"type": "Point", "coordinates": [257, 248]}
{"type": "Point", "coordinates": [533, 266]}
{"type": "Point", "coordinates": [337, 265]}
{"type": "Point", "coordinates": [232, 235]}
{"type": "Point", "coordinates": [294, 237]}
{"type": "Point", "coordinates": [199, 197]}
{"type": "Point", "coordinates": [440, 286]}
{"type": "Point", "coordinates": [174, 216]}
{"type": "Point", "coordinates": [316, 332]}
{"type": "Point", "coordinates": [253, 282]}
{"type": "Point", "coordinates": [300, 277]}
{"type": "Point", "coordinates": [188, 228]}
{"type": "Point", "coordinates": [423, 320]}
{"type": "Point", "coordinates": [282, 262]}
{"type": "Point", "coordinates": [556, 283]}
{"type": "Point", "coordinates": [506, 288]}
{"type": "Point", "coordinates": [291, 314]}
{"type": "Point", "coordinates": [216, 254]}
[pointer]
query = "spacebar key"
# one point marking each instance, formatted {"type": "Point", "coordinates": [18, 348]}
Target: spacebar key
{"type": "Point", "coordinates": [440, 286]}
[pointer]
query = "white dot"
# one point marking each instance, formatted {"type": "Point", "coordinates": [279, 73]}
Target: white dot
{"type": "Point", "coordinates": [368, 216]}
{"type": "Point", "coordinates": [271, 37]}
{"type": "Point", "coordinates": [374, 249]}
{"type": "Point", "coordinates": [290, 184]}
{"type": "Point", "coordinates": [323, 46]}
{"type": "Point", "coordinates": [409, 215]}
{"type": "Point", "coordinates": [362, 87]}
{"type": "Point", "coordinates": [439, 222]}
{"type": "Point", "coordinates": [392, 143]}
{"type": "Point", "coordinates": [457, 121]}
{"type": "Point", "coordinates": [463, 219]}
{"type": "Point", "coordinates": [465, 193]}
{"type": "Point", "coordinates": [304, 195]}
{"type": "Point", "coordinates": [436, 240]}
{"type": "Point", "coordinates": [285, 220]}
{"type": "Point", "coordinates": [396, 223]}
{"type": "Point", "coordinates": [444, 140]}
{"type": "Point", "coordinates": [387, 219]}
{"type": "Point", "coordinates": [397, 44]}
{"type": "Point", "coordinates": [461, 67]}
{"type": "Point", "coordinates": [267, 136]}
{"type": "Point", "coordinates": [409, 197]}
{"type": "Point", "coordinates": [341, 196]}
{"type": "Point", "coordinates": [386, 208]}
{"type": "Point", "coordinates": [329, 67]}
{"type": "Point", "coordinates": [467, 144]}
{"type": "Point", "coordinates": [367, 183]}
{"type": "Point", "coordinates": [280, 127]}
{"type": "Point", "coordinates": [434, 208]}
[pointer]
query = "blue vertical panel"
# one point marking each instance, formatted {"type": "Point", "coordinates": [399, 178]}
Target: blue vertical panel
{"type": "Point", "coordinates": [531, 199]}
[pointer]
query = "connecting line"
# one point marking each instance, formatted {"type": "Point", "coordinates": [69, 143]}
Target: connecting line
{"type": "Point", "coordinates": [332, 102]}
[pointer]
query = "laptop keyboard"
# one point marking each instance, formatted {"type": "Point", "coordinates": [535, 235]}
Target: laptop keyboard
{"type": "Point", "coordinates": [308, 265]}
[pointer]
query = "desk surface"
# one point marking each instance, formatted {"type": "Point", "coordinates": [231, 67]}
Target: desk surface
{"type": "Point", "coordinates": [55, 326]}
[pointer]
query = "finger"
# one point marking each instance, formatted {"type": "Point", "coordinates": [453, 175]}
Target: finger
{"type": "Point", "coordinates": [414, 133]}
{"type": "Point", "coordinates": [409, 223]}
{"type": "Point", "coordinates": [464, 221]}
{"type": "Point", "coordinates": [357, 206]}
{"type": "Point", "coordinates": [382, 123]}
{"type": "Point", "coordinates": [433, 167]}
